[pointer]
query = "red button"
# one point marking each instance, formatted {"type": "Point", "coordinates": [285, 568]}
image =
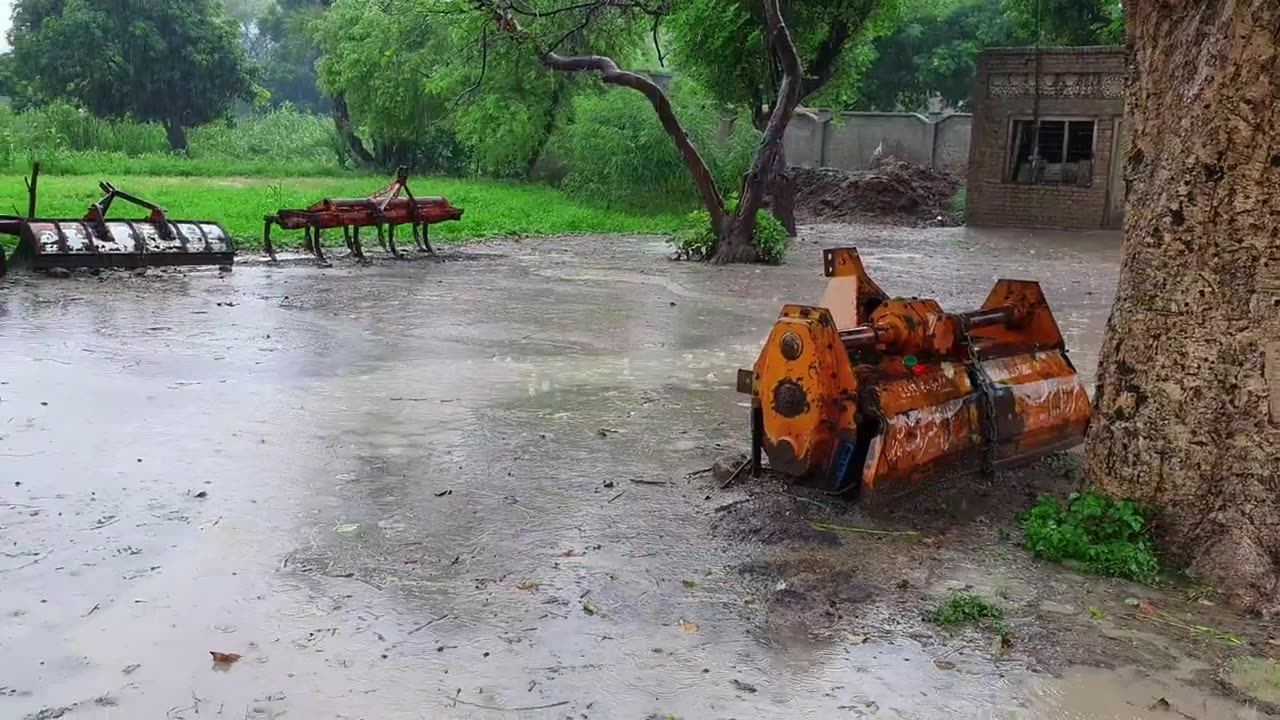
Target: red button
{"type": "Point", "coordinates": [919, 370]}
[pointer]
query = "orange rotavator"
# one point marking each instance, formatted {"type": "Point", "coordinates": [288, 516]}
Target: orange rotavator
{"type": "Point", "coordinates": [867, 394]}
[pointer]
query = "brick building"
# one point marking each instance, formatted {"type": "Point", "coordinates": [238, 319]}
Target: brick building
{"type": "Point", "coordinates": [1045, 149]}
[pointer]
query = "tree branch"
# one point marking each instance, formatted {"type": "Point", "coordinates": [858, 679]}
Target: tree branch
{"type": "Point", "coordinates": [611, 74]}
{"type": "Point", "coordinates": [484, 66]}
{"type": "Point", "coordinates": [826, 58]}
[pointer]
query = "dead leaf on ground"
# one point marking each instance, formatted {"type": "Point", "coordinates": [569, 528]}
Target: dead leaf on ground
{"type": "Point", "coordinates": [744, 687]}
{"type": "Point", "coordinates": [590, 608]}
{"type": "Point", "coordinates": [222, 658]}
{"type": "Point", "coordinates": [857, 639]}
{"type": "Point", "coordinates": [689, 626]}
{"type": "Point", "coordinates": [689, 583]}
{"type": "Point", "coordinates": [1145, 607]}
{"type": "Point", "coordinates": [944, 664]}
{"type": "Point", "coordinates": [527, 585]}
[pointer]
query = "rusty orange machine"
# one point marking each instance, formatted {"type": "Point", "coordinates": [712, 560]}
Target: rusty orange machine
{"type": "Point", "coordinates": [866, 394]}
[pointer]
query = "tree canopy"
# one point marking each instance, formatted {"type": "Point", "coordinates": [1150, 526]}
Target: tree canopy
{"type": "Point", "coordinates": [722, 44]}
{"type": "Point", "coordinates": [178, 62]}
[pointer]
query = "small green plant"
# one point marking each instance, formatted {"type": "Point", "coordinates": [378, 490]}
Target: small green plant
{"type": "Point", "coordinates": [968, 609]}
{"type": "Point", "coordinates": [1108, 537]}
{"type": "Point", "coordinates": [694, 241]}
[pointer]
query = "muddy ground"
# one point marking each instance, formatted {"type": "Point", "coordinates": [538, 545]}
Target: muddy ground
{"type": "Point", "coordinates": [460, 489]}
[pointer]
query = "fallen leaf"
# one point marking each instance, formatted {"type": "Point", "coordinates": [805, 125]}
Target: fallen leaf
{"type": "Point", "coordinates": [224, 658]}
{"type": "Point", "coordinates": [202, 495]}
{"type": "Point", "coordinates": [944, 664]}
{"type": "Point", "coordinates": [1160, 704]}
{"type": "Point", "coordinates": [589, 608]}
{"type": "Point", "coordinates": [689, 626]}
{"type": "Point", "coordinates": [527, 585]}
{"type": "Point", "coordinates": [744, 687]}
{"type": "Point", "coordinates": [1146, 608]}
{"type": "Point", "coordinates": [858, 639]}
{"type": "Point", "coordinates": [347, 528]}
{"type": "Point", "coordinates": [689, 583]}
{"type": "Point", "coordinates": [1132, 601]}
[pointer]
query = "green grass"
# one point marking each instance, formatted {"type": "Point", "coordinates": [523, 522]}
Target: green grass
{"type": "Point", "coordinates": [1108, 537]}
{"type": "Point", "coordinates": [493, 208]}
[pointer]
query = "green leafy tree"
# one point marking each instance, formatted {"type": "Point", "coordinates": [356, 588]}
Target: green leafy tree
{"type": "Point", "coordinates": [177, 62]}
{"type": "Point", "coordinates": [724, 44]}
{"type": "Point", "coordinates": [435, 86]}
{"type": "Point", "coordinates": [933, 53]}
{"type": "Point", "coordinates": [1067, 22]}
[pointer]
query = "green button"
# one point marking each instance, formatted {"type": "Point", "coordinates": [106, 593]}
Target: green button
{"type": "Point", "coordinates": [910, 361]}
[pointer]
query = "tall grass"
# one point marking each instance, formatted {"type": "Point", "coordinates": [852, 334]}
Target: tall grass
{"type": "Point", "coordinates": [68, 140]}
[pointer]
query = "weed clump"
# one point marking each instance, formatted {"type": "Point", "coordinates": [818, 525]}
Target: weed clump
{"type": "Point", "coordinates": [1107, 537]}
{"type": "Point", "coordinates": [968, 609]}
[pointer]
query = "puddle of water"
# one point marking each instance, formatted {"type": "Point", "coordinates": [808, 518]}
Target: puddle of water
{"type": "Point", "coordinates": [1131, 694]}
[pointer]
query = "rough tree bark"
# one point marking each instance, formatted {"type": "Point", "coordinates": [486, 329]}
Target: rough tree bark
{"type": "Point", "coordinates": [1188, 399]}
{"type": "Point", "coordinates": [734, 231]}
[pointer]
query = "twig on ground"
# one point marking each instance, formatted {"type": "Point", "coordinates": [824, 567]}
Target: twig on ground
{"type": "Point", "coordinates": [514, 709]}
{"type": "Point", "coordinates": [649, 482]}
{"type": "Point", "coordinates": [428, 624]}
{"type": "Point", "coordinates": [868, 531]}
{"type": "Point", "coordinates": [615, 497]}
{"type": "Point", "coordinates": [735, 474]}
{"type": "Point", "coordinates": [703, 471]}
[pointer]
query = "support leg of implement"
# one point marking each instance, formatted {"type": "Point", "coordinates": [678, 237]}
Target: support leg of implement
{"type": "Point", "coordinates": [356, 248]}
{"type": "Point", "coordinates": [391, 241]}
{"type": "Point", "coordinates": [426, 238]}
{"type": "Point", "coordinates": [757, 439]}
{"type": "Point", "coordinates": [382, 240]}
{"type": "Point", "coordinates": [319, 250]}
{"type": "Point", "coordinates": [266, 239]}
{"type": "Point", "coordinates": [307, 245]}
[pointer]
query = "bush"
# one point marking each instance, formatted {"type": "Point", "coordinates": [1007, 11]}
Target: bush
{"type": "Point", "coordinates": [695, 240]}
{"type": "Point", "coordinates": [1108, 537]}
{"type": "Point", "coordinates": [616, 150]}
{"type": "Point", "coordinates": [69, 140]}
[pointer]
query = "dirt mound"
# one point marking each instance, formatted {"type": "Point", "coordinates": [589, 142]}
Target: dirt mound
{"type": "Point", "coordinates": [892, 192]}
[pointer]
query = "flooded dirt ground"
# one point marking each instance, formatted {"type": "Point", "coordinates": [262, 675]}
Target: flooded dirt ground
{"type": "Point", "coordinates": [459, 488]}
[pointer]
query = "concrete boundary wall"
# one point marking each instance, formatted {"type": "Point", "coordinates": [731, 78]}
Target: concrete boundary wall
{"type": "Point", "coordinates": [849, 140]}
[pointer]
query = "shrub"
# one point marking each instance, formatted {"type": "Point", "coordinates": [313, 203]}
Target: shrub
{"type": "Point", "coordinates": [1108, 537]}
{"type": "Point", "coordinates": [694, 241]}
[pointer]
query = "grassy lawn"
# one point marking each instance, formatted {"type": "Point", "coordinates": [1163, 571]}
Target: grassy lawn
{"type": "Point", "coordinates": [239, 203]}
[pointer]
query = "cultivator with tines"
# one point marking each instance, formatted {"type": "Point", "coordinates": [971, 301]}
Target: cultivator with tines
{"type": "Point", "coordinates": [97, 242]}
{"type": "Point", "coordinates": [383, 209]}
{"type": "Point", "coordinates": [866, 395]}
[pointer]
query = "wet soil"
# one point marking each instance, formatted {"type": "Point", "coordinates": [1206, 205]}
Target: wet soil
{"type": "Point", "coordinates": [473, 489]}
{"type": "Point", "coordinates": [890, 192]}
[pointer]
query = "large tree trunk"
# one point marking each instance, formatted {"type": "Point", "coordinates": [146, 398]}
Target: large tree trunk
{"type": "Point", "coordinates": [176, 134]}
{"type": "Point", "coordinates": [1188, 400]}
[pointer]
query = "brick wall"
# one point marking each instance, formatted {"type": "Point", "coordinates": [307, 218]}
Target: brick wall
{"type": "Point", "coordinates": [1085, 82]}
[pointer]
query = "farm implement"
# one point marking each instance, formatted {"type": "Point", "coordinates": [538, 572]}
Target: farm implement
{"type": "Point", "coordinates": [94, 241]}
{"type": "Point", "coordinates": [387, 208]}
{"type": "Point", "coordinates": [866, 395]}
